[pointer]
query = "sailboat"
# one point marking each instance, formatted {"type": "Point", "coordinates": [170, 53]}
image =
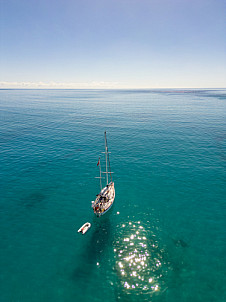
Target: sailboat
{"type": "Point", "coordinates": [105, 199]}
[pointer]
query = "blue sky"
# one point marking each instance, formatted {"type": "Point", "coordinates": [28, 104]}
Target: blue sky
{"type": "Point", "coordinates": [113, 43]}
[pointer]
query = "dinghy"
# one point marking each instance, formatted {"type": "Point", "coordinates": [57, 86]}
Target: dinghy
{"type": "Point", "coordinates": [84, 228]}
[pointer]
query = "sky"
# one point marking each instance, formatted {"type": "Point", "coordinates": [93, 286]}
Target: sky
{"type": "Point", "coordinates": [113, 44]}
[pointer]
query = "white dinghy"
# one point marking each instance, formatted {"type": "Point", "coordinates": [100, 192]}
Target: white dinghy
{"type": "Point", "coordinates": [84, 228]}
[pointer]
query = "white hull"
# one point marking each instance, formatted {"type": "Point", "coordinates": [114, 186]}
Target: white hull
{"type": "Point", "coordinates": [104, 200]}
{"type": "Point", "coordinates": [84, 228]}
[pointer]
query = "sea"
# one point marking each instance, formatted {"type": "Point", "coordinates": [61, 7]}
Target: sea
{"type": "Point", "coordinates": [163, 240]}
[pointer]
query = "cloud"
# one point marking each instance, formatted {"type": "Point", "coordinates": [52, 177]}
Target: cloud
{"type": "Point", "coordinates": [59, 85]}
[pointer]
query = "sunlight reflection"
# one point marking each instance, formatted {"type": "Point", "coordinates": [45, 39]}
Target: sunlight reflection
{"type": "Point", "coordinates": [140, 261]}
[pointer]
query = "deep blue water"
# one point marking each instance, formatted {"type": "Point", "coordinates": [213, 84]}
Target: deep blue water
{"type": "Point", "coordinates": [164, 238]}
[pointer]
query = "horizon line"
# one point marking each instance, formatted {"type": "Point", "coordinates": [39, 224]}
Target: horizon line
{"type": "Point", "coordinates": [123, 88]}
{"type": "Point", "coordinates": [95, 85]}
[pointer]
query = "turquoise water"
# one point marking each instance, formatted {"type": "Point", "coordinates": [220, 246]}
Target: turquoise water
{"type": "Point", "coordinates": [164, 238]}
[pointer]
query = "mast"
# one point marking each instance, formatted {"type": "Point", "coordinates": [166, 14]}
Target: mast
{"type": "Point", "coordinates": [98, 164]}
{"type": "Point", "coordinates": [100, 175]}
{"type": "Point", "coordinates": [108, 166]}
{"type": "Point", "coordinates": [106, 155]}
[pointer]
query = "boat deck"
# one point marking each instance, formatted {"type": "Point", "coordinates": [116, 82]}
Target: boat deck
{"type": "Point", "coordinates": [104, 199]}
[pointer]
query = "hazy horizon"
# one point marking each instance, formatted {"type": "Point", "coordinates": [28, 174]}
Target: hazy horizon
{"type": "Point", "coordinates": [115, 88]}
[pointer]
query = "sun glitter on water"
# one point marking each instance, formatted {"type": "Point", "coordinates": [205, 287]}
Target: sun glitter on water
{"type": "Point", "coordinates": [139, 261]}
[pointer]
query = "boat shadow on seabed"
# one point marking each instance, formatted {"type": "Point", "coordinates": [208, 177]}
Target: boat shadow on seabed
{"type": "Point", "coordinates": [93, 253]}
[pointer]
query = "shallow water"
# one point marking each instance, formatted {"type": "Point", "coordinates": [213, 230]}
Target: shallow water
{"type": "Point", "coordinates": [168, 157]}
